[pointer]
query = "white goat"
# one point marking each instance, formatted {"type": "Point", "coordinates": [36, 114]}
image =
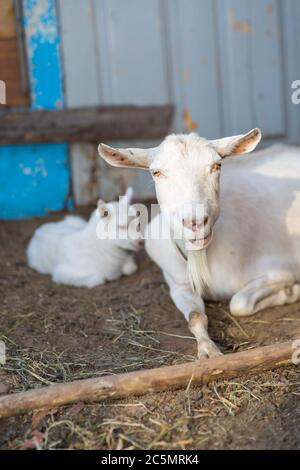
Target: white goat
{"type": "Point", "coordinates": [78, 253]}
{"type": "Point", "coordinates": [253, 257]}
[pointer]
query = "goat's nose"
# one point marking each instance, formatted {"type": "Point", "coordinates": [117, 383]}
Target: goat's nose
{"type": "Point", "coordinates": [194, 224]}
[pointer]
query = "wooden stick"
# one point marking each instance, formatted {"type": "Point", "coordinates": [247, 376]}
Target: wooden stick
{"type": "Point", "coordinates": [137, 383]}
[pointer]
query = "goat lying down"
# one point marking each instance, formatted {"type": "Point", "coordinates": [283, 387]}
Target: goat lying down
{"type": "Point", "coordinates": [244, 246]}
{"type": "Point", "coordinates": [77, 252]}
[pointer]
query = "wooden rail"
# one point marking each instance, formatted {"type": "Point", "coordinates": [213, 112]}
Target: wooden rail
{"type": "Point", "coordinates": [89, 124]}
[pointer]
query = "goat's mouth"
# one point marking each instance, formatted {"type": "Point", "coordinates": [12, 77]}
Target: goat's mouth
{"type": "Point", "coordinates": [200, 243]}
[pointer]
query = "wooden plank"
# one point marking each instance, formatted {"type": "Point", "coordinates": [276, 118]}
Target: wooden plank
{"type": "Point", "coordinates": [35, 178]}
{"type": "Point", "coordinates": [7, 20]}
{"type": "Point", "coordinates": [43, 51]}
{"type": "Point", "coordinates": [85, 124]}
{"type": "Point", "coordinates": [10, 73]}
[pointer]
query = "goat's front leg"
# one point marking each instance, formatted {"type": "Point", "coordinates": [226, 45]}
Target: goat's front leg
{"type": "Point", "coordinates": [129, 267]}
{"type": "Point", "coordinates": [193, 309]}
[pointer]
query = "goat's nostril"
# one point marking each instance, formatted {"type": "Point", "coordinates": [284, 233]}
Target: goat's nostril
{"type": "Point", "coordinates": [205, 220]}
{"type": "Point", "coordinates": [194, 227]}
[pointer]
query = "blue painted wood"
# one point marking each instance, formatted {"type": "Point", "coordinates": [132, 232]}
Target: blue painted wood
{"type": "Point", "coordinates": [43, 52]}
{"type": "Point", "coordinates": [35, 178]}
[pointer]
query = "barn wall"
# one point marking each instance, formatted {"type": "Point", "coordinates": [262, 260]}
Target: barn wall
{"type": "Point", "coordinates": [227, 65]}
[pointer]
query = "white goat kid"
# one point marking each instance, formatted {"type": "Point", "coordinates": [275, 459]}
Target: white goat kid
{"type": "Point", "coordinates": [253, 205]}
{"type": "Point", "coordinates": [78, 253]}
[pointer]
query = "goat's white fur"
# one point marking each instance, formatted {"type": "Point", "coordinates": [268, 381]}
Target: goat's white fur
{"type": "Point", "coordinates": [198, 272]}
{"type": "Point", "coordinates": [254, 256]}
{"type": "Point", "coordinates": [71, 252]}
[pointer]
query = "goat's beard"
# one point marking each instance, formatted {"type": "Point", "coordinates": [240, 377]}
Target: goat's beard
{"type": "Point", "coordinates": [197, 271]}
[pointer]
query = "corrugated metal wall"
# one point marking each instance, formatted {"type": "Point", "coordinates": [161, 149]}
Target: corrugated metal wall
{"type": "Point", "coordinates": [227, 65]}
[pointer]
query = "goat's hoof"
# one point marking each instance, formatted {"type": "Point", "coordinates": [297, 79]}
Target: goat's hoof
{"type": "Point", "coordinates": [207, 349]}
{"type": "Point", "coordinates": [129, 269]}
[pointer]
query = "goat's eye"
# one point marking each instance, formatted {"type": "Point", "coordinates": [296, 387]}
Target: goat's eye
{"type": "Point", "coordinates": [215, 167]}
{"type": "Point", "coordinates": [156, 173]}
{"type": "Point", "coordinates": [103, 213]}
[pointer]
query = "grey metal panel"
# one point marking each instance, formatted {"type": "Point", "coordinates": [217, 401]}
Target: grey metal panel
{"type": "Point", "coordinates": [131, 44]}
{"type": "Point", "coordinates": [86, 172]}
{"type": "Point", "coordinates": [235, 28]}
{"type": "Point", "coordinates": [79, 54]}
{"type": "Point", "coordinates": [290, 14]}
{"type": "Point", "coordinates": [173, 59]}
{"type": "Point", "coordinates": [228, 63]}
{"type": "Point", "coordinates": [82, 87]}
{"type": "Point", "coordinates": [266, 67]}
{"type": "Point", "coordinates": [194, 41]}
{"type": "Point", "coordinates": [131, 48]}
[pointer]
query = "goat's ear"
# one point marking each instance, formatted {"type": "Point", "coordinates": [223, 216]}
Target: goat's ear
{"type": "Point", "coordinates": [126, 158]}
{"type": "Point", "coordinates": [237, 144]}
{"type": "Point", "coordinates": [127, 197]}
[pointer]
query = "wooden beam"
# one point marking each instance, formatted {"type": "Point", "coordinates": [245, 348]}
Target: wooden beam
{"type": "Point", "coordinates": [92, 124]}
{"type": "Point", "coordinates": [140, 382]}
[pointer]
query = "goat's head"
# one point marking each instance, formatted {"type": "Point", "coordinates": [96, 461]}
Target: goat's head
{"type": "Point", "coordinates": [186, 171]}
{"type": "Point", "coordinates": [113, 222]}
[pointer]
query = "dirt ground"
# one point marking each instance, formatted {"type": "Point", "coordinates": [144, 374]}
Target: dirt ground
{"type": "Point", "coordinates": [55, 333]}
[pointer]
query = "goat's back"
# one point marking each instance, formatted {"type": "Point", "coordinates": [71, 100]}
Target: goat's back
{"type": "Point", "coordinates": [44, 249]}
